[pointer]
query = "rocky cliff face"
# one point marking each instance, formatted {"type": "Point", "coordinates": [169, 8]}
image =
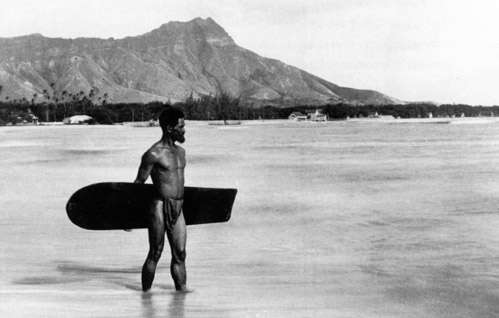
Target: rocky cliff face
{"type": "Point", "coordinates": [169, 63]}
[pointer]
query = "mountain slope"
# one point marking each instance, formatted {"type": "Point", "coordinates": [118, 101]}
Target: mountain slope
{"type": "Point", "coordinates": [169, 63]}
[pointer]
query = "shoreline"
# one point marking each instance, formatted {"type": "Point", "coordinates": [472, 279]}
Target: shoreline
{"type": "Point", "coordinates": [214, 123]}
{"type": "Point", "coordinates": [456, 120]}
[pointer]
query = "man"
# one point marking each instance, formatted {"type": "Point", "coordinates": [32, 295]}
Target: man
{"type": "Point", "coordinates": [165, 163]}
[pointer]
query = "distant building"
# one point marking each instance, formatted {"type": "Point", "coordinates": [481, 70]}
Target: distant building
{"type": "Point", "coordinates": [32, 119]}
{"type": "Point", "coordinates": [78, 120]}
{"type": "Point", "coordinates": [316, 115]}
{"type": "Point", "coordinates": [375, 115]}
{"type": "Point", "coordinates": [486, 114]}
{"type": "Point", "coordinates": [297, 116]}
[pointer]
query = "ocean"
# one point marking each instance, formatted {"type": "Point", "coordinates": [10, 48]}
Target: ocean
{"type": "Point", "coordinates": [338, 219]}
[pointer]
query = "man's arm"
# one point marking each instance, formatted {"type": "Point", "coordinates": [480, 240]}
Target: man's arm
{"type": "Point", "coordinates": [145, 168]}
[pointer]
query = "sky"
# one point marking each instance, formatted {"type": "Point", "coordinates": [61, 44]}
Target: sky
{"type": "Point", "coordinates": [445, 51]}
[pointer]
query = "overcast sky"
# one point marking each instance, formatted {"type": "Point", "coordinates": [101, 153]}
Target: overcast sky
{"type": "Point", "coordinates": [445, 51]}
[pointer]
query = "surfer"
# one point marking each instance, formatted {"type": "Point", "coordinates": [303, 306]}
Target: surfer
{"type": "Point", "coordinates": [165, 163]}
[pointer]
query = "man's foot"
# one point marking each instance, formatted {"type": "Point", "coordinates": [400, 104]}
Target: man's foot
{"type": "Point", "coordinates": [185, 290]}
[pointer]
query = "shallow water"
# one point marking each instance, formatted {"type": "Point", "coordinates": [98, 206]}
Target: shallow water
{"type": "Point", "coordinates": [340, 219]}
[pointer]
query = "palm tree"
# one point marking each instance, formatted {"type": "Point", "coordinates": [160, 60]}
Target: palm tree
{"type": "Point", "coordinates": [105, 99]}
{"type": "Point", "coordinates": [33, 99]}
{"type": "Point", "coordinates": [54, 99]}
{"type": "Point", "coordinates": [91, 96]}
{"type": "Point", "coordinates": [63, 97]}
{"type": "Point", "coordinates": [71, 97]}
{"type": "Point", "coordinates": [47, 97]}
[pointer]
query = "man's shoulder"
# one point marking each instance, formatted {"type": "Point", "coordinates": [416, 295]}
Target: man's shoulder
{"type": "Point", "coordinates": [152, 153]}
{"type": "Point", "coordinates": [152, 150]}
{"type": "Point", "coordinates": [159, 150]}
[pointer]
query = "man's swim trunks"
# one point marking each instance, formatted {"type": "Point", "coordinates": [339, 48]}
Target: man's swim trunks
{"type": "Point", "coordinates": [172, 209]}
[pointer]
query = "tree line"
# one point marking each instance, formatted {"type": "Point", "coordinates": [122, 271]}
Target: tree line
{"type": "Point", "coordinates": [54, 108]}
{"type": "Point", "coordinates": [51, 105]}
{"type": "Point", "coordinates": [222, 107]}
{"type": "Point", "coordinates": [414, 110]}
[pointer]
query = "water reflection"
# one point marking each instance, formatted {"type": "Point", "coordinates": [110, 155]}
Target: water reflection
{"type": "Point", "coordinates": [148, 305]}
{"type": "Point", "coordinates": [175, 308]}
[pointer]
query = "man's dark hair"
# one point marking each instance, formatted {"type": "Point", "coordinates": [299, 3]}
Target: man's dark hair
{"type": "Point", "coordinates": [170, 117]}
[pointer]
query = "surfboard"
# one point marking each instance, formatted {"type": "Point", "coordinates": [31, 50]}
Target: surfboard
{"type": "Point", "coordinates": [122, 205]}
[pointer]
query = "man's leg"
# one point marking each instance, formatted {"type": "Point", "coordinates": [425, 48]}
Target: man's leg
{"type": "Point", "coordinates": [177, 239]}
{"type": "Point", "coordinates": [156, 231]}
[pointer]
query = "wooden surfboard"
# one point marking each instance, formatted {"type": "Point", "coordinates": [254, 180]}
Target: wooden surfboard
{"type": "Point", "coordinates": [121, 205]}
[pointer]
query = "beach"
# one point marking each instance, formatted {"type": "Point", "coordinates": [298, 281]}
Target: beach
{"type": "Point", "coordinates": [336, 219]}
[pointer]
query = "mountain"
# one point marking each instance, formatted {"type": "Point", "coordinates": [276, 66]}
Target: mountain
{"type": "Point", "coordinates": [169, 63]}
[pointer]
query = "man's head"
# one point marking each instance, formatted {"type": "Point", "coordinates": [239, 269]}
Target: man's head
{"type": "Point", "coordinates": [172, 123]}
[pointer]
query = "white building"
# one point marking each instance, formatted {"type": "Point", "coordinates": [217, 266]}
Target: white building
{"type": "Point", "coordinates": [78, 120]}
{"type": "Point", "coordinates": [298, 116]}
